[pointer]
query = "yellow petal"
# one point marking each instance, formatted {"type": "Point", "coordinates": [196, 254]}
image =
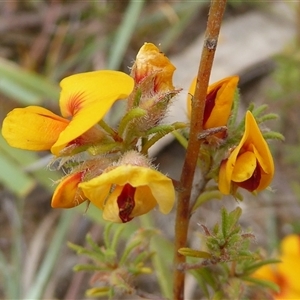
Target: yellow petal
{"type": "Point", "coordinates": [289, 269]}
{"type": "Point", "coordinates": [286, 273]}
{"type": "Point", "coordinates": [261, 150]}
{"type": "Point", "coordinates": [190, 96]}
{"type": "Point", "coordinates": [226, 170]}
{"type": "Point", "coordinates": [87, 97]}
{"type": "Point", "coordinates": [161, 187]}
{"type": "Point", "coordinates": [149, 61]}
{"type": "Point", "coordinates": [67, 194]}
{"type": "Point", "coordinates": [111, 208]}
{"type": "Point", "coordinates": [244, 167]}
{"type": "Point", "coordinates": [224, 181]}
{"type": "Point", "coordinates": [32, 128]}
{"type": "Point", "coordinates": [290, 245]}
{"type": "Point", "coordinates": [252, 140]}
{"type": "Point", "coordinates": [219, 100]}
{"type": "Point", "coordinates": [142, 206]}
{"type": "Point", "coordinates": [221, 108]}
{"type": "Point", "coordinates": [267, 272]}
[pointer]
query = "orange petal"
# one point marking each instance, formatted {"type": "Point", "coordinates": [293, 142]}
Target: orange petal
{"type": "Point", "coordinates": [289, 268]}
{"type": "Point", "coordinates": [32, 128]}
{"type": "Point", "coordinates": [253, 141]}
{"type": "Point", "coordinates": [267, 272]}
{"type": "Point", "coordinates": [261, 150]}
{"type": "Point", "coordinates": [224, 181]}
{"type": "Point", "coordinates": [217, 113]}
{"type": "Point", "coordinates": [226, 170]}
{"type": "Point", "coordinates": [151, 61]}
{"type": "Point", "coordinates": [219, 100]}
{"type": "Point", "coordinates": [67, 194]}
{"type": "Point", "coordinates": [87, 97]}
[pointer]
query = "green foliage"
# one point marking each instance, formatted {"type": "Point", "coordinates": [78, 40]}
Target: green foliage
{"type": "Point", "coordinates": [227, 242]}
{"type": "Point", "coordinates": [227, 264]}
{"type": "Point", "coordinates": [115, 271]}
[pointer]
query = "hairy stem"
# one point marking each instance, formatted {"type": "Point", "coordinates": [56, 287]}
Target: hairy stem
{"type": "Point", "coordinates": [216, 12]}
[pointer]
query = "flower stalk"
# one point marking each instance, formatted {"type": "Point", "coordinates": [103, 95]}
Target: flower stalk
{"type": "Point", "coordinates": [216, 12]}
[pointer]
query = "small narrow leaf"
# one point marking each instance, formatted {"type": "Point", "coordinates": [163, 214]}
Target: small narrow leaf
{"type": "Point", "coordinates": [224, 215]}
{"type": "Point", "coordinates": [206, 196]}
{"type": "Point", "coordinates": [194, 253]}
{"type": "Point", "coordinates": [273, 135]}
{"type": "Point", "coordinates": [263, 283]}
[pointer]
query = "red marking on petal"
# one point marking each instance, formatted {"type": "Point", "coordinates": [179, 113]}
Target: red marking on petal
{"type": "Point", "coordinates": [126, 203]}
{"type": "Point", "coordinates": [252, 183]}
{"type": "Point", "coordinates": [75, 103]}
{"type": "Point", "coordinates": [210, 104]}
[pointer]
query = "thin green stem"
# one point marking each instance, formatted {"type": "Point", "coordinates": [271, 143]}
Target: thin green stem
{"type": "Point", "coordinates": [134, 113]}
{"type": "Point", "coordinates": [116, 238]}
{"type": "Point", "coordinates": [183, 208]}
{"type": "Point", "coordinates": [109, 130]}
{"type": "Point", "coordinates": [180, 138]}
{"type": "Point", "coordinates": [160, 131]}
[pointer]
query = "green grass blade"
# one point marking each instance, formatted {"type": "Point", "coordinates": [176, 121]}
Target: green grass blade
{"type": "Point", "coordinates": [26, 87]}
{"type": "Point", "coordinates": [58, 241]}
{"type": "Point", "coordinates": [14, 178]}
{"type": "Point", "coordinates": [124, 33]}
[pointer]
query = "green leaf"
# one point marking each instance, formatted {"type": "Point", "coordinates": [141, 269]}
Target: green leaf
{"type": "Point", "coordinates": [234, 110]}
{"type": "Point", "coordinates": [206, 196]}
{"type": "Point", "coordinates": [259, 110]}
{"type": "Point", "coordinates": [263, 283]}
{"type": "Point", "coordinates": [273, 135]}
{"type": "Point", "coordinates": [94, 268]}
{"type": "Point", "coordinates": [194, 253]}
{"type": "Point", "coordinates": [267, 117]}
{"type": "Point", "coordinates": [94, 245]}
{"type": "Point", "coordinates": [98, 292]}
{"type": "Point", "coordinates": [234, 217]}
{"type": "Point", "coordinates": [207, 276]}
{"type": "Point", "coordinates": [225, 222]}
{"type": "Point", "coordinates": [198, 275]}
{"type": "Point", "coordinates": [26, 87]}
{"type": "Point", "coordinates": [255, 266]}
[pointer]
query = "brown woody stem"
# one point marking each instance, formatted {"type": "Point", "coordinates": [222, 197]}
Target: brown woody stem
{"type": "Point", "coordinates": [216, 12]}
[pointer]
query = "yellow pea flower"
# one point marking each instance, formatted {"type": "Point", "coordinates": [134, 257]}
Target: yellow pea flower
{"type": "Point", "coordinates": [286, 273]}
{"type": "Point", "coordinates": [250, 165]}
{"type": "Point", "coordinates": [150, 61]}
{"type": "Point", "coordinates": [84, 100]}
{"type": "Point", "coordinates": [218, 103]}
{"type": "Point", "coordinates": [67, 194]}
{"type": "Point", "coordinates": [152, 72]}
{"type": "Point", "coordinates": [128, 191]}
